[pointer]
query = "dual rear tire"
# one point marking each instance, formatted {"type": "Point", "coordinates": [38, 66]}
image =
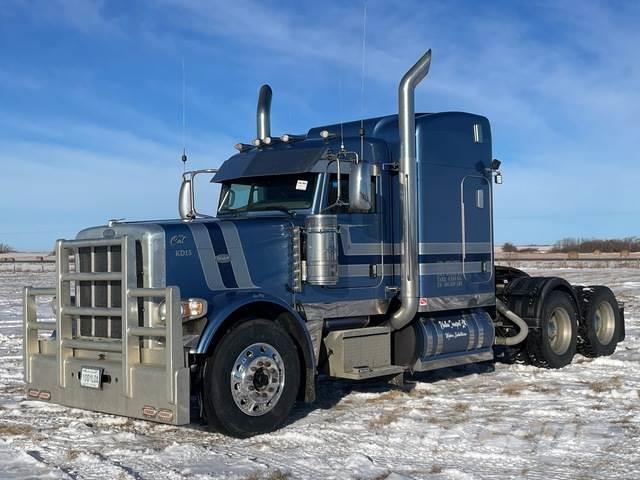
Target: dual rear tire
{"type": "Point", "coordinates": [593, 331]}
{"type": "Point", "coordinates": [602, 324]}
{"type": "Point", "coordinates": [553, 345]}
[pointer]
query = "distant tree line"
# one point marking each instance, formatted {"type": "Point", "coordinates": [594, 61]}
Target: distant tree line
{"type": "Point", "coordinates": [4, 248]}
{"type": "Point", "coordinates": [590, 245]}
{"type": "Point", "coordinates": [509, 247]}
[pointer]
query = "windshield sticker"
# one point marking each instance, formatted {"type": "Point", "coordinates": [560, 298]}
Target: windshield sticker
{"type": "Point", "coordinates": [302, 184]}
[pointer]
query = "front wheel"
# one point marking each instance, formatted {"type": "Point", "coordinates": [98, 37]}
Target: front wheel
{"type": "Point", "coordinates": [251, 381]}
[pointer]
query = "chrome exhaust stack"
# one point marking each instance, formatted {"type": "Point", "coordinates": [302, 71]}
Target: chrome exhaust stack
{"type": "Point", "coordinates": [263, 113]}
{"type": "Point", "coordinates": [408, 192]}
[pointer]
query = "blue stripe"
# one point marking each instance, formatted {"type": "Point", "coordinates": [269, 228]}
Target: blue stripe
{"type": "Point", "coordinates": [220, 248]}
{"type": "Point", "coordinates": [453, 257]}
{"type": "Point", "coordinates": [429, 258]}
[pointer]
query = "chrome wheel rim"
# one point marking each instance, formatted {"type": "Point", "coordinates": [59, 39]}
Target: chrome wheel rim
{"type": "Point", "coordinates": [257, 379]}
{"type": "Point", "coordinates": [559, 331]}
{"type": "Point", "coordinates": [604, 322]}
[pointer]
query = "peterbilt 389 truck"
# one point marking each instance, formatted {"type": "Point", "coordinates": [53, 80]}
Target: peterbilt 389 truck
{"type": "Point", "coordinates": [359, 250]}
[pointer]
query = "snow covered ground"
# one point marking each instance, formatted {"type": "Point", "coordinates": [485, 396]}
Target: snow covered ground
{"type": "Point", "coordinates": [580, 422]}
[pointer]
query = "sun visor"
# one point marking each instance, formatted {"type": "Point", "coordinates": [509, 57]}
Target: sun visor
{"type": "Point", "coordinates": [259, 163]}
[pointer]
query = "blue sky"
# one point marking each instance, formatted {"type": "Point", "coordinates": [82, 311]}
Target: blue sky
{"type": "Point", "coordinates": [91, 99]}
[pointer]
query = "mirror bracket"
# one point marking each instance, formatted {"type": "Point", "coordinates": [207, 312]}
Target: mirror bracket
{"type": "Point", "coordinates": [186, 199]}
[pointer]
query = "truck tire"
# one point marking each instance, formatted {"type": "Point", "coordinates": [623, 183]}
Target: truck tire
{"type": "Point", "coordinates": [601, 322]}
{"type": "Point", "coordinates": [553, 345]}
{"type": "Point", "coordinates": [251, 381]}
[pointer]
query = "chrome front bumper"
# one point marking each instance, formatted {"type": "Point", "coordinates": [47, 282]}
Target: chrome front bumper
{"type": "Point", "coordinates": [141, 379]}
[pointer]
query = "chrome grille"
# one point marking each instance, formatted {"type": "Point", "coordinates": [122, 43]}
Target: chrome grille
{"type": "Point", "coordinates": [99, 293]}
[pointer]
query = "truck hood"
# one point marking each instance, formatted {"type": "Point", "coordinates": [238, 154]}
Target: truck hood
{"type": "Point", "coordinates": [207, 257]}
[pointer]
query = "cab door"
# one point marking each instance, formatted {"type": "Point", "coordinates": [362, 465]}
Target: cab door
{"type": "Point", "coordinates": [361, 242]}
{"type": "Point", "coordinates": [477, 229]}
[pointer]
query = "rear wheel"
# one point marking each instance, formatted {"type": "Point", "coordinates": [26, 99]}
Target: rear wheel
{"type": "Point", "coordinates": [601, 322]}
{"type": "Point", "coordinates": [553, 345]}
{"type": "Point", "coordinates": [251, 381]}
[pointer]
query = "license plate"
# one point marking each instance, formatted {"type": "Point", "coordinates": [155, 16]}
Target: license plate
{"type": "Point", "coordinates": [91, 377]}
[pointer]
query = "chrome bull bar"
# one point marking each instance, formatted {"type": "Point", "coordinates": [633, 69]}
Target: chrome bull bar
{"type": "Point", "coordinates": [157, 390]}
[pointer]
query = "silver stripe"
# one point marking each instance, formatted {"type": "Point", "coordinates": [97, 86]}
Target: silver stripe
{"type": "Point", "coordinates": [424, 248]}
{"type": "Point", "coordinates": [440, 268]}
{"type": "Point", "coordinates": [434, 268]}
{"type": "Point", "coordinates": [353, 308]}
{"type": "Point", "coordinates": [236, 253]}
{"type": "Point", "coordinates": [362, 270]}
{"type": "Point", "coordinates": [452, 302]}
{"type": "Point", "coordinates": [207, 257]}
{"type": "Point", "coordinates": [441, 248]}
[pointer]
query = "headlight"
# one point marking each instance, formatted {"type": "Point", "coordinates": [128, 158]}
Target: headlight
{"type": "Point", "coordinates": [190, 309]}
{"type": "Point", "coordinates": [193, 308]}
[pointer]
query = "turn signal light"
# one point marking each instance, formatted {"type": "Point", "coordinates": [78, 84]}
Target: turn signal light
{"type": "Point", "coordinates": [149, 411]}
{"type": "Point", "coordinates": [165, 415]}
{"type": "Point", "coordinates": [44, 395]}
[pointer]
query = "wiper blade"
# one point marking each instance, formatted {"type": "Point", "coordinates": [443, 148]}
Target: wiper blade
{"type": "Point", "coordinates": [280, 209]}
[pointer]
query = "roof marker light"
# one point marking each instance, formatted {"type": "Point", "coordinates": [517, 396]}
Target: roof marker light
{"type": "Point", "coordinates": [287, 138]}
{"type": "Point", "coordinates": [242, 147]}
{"type": "Point", "coordinates": [257, 142]}
{"type": "Point", "coordinates": [325, 134]}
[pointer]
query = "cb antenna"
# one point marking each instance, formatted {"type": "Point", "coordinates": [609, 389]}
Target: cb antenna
{"type": "Point", "coordinates": [184, 137]}
{"type": "Point", "coordinates": [341, 115]}
{"type": "Point", "coordinates": [364, 64]}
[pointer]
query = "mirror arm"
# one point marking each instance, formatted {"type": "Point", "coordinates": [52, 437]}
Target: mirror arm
{"type": "Point", "coordinates": [338, 202]}
{"type": "Point", "coordinates": [190, 176]}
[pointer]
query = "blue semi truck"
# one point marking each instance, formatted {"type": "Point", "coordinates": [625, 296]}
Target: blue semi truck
{"type": "Point", "coordinates": [356, 251]}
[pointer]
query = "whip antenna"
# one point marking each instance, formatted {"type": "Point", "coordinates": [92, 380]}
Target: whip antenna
{"type": "Point", "coordinates": [184, 137]}
{"type": "Point", "coordinates": [364, 64]}
{"type": "Point", "coordinates": [341, 114]}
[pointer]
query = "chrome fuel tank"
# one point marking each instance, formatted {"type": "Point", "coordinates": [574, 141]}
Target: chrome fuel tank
{"type": "Point", "coordinates": [445, 340]}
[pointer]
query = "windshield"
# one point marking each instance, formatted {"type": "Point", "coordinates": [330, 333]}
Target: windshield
{"type": "Point", "coordinates": [279, 192]}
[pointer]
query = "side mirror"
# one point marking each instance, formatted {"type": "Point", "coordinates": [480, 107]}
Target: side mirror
{"type": "Point", "coordinates": [185, 200]}
{"type": "Point", "coordinates": [360, 187]}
